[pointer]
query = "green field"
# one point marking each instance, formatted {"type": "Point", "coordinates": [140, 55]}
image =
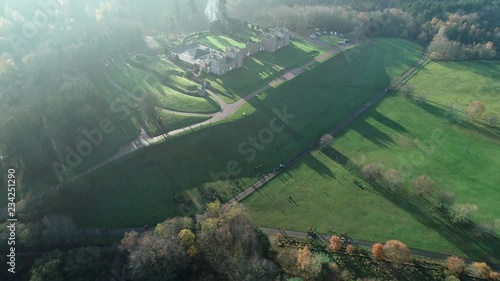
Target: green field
{"type": "Point", "coordinates": [415, 140]}
{"type": "Point", "coordinates": [318, 100]}
{"type": "Point", "coordinates": [262, 68]}
{"type": "Point", "coordinates": [460, 82]}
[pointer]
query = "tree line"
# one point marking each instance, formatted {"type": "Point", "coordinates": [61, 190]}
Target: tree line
{"type": "Point", "coordinates": [224, 243]}
{"type": "Point", "coordinates": [454, 30]}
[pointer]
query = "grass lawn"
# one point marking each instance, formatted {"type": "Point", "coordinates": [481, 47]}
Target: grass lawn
{"type": "Point", "coordinates": [173, 122]}
{"type": "Point", "coordinates": [162, 65]}
{"type": "Point", "coordinates": [191, 164]}
{"type": "Point", "coordinates": [424, 144]}
{"type": "Point", "coordinates": [459, 83]}
{"type": "Point", "coordinates": [130, 78]}
{"type": "Point", "coordinates": [220, 42]}
{"type": "Point", "coordinates": [174, 100]}
{"type": "Point", "coordinates": [183, 83]}
{"type": "Point", "coordinates": [262, 68]}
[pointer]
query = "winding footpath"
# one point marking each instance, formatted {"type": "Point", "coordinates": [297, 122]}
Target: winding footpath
{"type": "Point", "coordinates": [143, 140]}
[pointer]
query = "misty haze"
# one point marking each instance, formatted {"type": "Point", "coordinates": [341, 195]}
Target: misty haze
{"type": "Point", "coordinates": [278, 140]}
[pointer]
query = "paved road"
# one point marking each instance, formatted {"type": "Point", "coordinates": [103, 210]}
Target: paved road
{"type": "Point", "coordinates": [364, 243]}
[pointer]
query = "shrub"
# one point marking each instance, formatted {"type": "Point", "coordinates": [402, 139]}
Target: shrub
{"type": "Point", "coordinates": [304, 258]}
{"type": "Point", "coordinates": [378, 251]}
{"type": "Point", "coordinates": [350, 249]}
{"type": "Point", "coordinates": [455, 264]}
{"type": "Point", "coordinates": [424, 185]}
{"type": "Point", "coordinates": [461, 212]}
{"type": "Point", "coordinates": [187, 238]}
{"type": "Point", "coordinates": [495, 276]}
{"type": "Point", "coordinates": [335, 244]}
{"type": "Point", "coordinates": [397, 251]}
{"type": "Point", "coordinates": [475, 109]}
{"type": "Point", "coordinates": [480, 270]}
{"type": "Point", "coordinates": [325, 141]}
{"type": "Point", "coordinates": [393, 179]}
{"type": "Point", "coordinates": [372, 170]}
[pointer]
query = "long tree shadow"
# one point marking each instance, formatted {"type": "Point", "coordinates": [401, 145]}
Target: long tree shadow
{"type": "Point", "coordinates": [388, 122]}
{"type": "Point", "coordinates": [372, 133]}
{"type": "Point", "coordinates": [335, 155]}
{"type": "Point", "coordinates": [462, 235]}
{"type": "Point", "coordinates": [442, 112]}
{"type": "Point", "coordinates": [318, 166]}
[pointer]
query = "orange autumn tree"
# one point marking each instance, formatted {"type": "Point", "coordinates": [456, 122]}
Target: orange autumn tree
{"type": "Point", "coordinates": [495, 275]}
{"type": "Point", "coordinates": [349, 249]}
{"type": "Point", "coordinates": [480, 270]}
{"type": "Point", "coordinates": [335, 243]}
{"type": "Point", "coordinates": [304, 258]}
{"type": "Point", "coordinates": [397, 251]}
{"type": "Point", "coordinates": [378, 251]}
{"type": "Point", "coordinates": [475, 109]}
{"type": "Point", "coordinates": [455, 264]}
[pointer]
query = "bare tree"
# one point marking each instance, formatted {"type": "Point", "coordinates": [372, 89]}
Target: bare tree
{"type": "Point", "coordinates": [455, 265]}
{"type": "Point", "coordinates": [393, 179]}
{"type": "Point", "coordinates": [372, 170]}
{"type": "Point", "coordinates": [475, 109]}
{"type": "Point", "coordinates": [217, 241]}
{"type": "Point", "coordinates": [158, 255]}
{"type": "Point", "coordinates": [325, 141]}
{"type": "Point", "coordinates": [424, 185]}
{"type": "Point", "coordinates": [461, 212]}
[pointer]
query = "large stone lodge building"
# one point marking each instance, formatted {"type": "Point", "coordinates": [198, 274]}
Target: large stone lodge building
{"type": "Point", "coordinates": [209, 60]}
